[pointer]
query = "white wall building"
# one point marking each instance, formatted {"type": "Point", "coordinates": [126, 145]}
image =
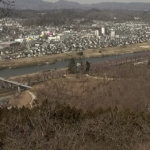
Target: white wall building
{"type": "Point", "coordinates": [103, 30]}
{"type": "Point", "coordinates": [94, 25]}
{"type": "Point", "coordinates": [97, 33]}
{"type": "Point", "coordinates": [112, 33]}
{"type": "Point", "coordinates": [19, 40]}
{"type": "Point", "coordinates": [55, 38]}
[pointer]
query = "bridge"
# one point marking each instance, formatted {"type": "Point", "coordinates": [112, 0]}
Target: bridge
{"type": "Point", "coordinates": [13, 83]}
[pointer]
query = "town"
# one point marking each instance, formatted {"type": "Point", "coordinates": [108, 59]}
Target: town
{"type": "Point", "coordinates": [19, 41]}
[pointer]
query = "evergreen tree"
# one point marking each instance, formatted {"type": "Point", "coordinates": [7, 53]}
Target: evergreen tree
{"type": "Point", "coordinates": [87, 67]}
{"type": "Point", "coordinates": [148, 63]}
{"type": "Point", "coordinates": [72, 68]}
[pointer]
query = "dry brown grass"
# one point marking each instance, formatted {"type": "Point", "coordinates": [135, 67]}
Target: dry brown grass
{"type": "Point", "coordinates": [143, 146]}
{"type": "Point", "coordinates": [90, 94]}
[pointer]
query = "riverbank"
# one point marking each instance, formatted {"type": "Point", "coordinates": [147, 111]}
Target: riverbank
{"type": "Point", "coordinates": [103, 52]}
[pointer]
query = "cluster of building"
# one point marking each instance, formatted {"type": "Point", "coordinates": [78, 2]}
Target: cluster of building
{"type": "Point", "coordinates": [18, 41]}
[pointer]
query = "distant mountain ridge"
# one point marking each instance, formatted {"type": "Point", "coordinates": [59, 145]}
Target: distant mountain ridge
{"type": "Point", "coordinates": [63, 4]}
{"type": "Point", "coordinates": [125, 6]}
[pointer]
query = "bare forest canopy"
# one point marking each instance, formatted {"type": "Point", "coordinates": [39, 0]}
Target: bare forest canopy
{"type": "Point", "coordinates": [65, 128]}
{"type": "Point", "coordinates": [38, 12]}
{"type": "Point", "coordinates": [68, 16]}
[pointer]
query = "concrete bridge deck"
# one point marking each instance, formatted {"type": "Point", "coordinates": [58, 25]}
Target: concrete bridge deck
{"type": "Point", "coordinates": [15, 83]}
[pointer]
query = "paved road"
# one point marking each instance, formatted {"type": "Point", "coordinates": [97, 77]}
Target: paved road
{"type": "Point", "coordinates": [33, 98]}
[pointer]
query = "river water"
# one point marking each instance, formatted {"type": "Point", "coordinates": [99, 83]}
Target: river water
{"type": "Point", "coordinates": [61, 64]}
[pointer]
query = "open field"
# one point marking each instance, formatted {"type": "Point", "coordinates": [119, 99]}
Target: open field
{"type": "Point", "coordinates": [87, 53]}
{"type": "Point", "coordinates": [21, 100]}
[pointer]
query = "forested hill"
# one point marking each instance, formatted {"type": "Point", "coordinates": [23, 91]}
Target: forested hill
{"type": "Point", "coordinates": [122, 6]}
{"type": "Point", "coordinates": [62, 4]}
{"type": "Point", "coordinates": [66, 128]}
{"type": "Point", "coordinates": [55, 16]}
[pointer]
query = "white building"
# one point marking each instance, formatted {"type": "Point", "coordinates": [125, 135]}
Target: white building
{"type": "Point", "coordinates": [112, 33]}
{"type": "Point", "coordinates": [67, 31]}
{"type": "Point", "coordinates": [97, 33]}
{"type": "Point", "coordinates": [55, 38]}
{"type": "Point", "coordinates": [103, 30]}
{"type": "Point", "coordinates": [19, 40]}
{"type": "Point", "coordinates": [94, 25]}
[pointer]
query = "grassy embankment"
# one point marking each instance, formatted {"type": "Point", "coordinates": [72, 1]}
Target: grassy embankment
{"type": "Point", "coordinates": [16, 63]}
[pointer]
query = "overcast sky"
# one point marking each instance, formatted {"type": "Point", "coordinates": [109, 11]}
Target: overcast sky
{"type": "Point", "coordinates": [96, 1]}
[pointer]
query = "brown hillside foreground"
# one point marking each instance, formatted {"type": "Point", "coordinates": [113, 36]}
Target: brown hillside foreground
{"type": "Point", "coordinates": [121, 86]}
{"type": "Point", "coordinates": [129, 90]}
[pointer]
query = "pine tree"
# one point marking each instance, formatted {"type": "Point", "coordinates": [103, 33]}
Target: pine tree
{"type": "Point", "coordinates": [72, 68]}
{"type": "Point", "coordinates": [87, 67]}
{"type": "Point", "coordinates": [148, 63]}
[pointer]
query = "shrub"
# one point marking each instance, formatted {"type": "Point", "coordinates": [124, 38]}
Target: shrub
{"type": "Point", "coordinates": [80, 53]}
{"type": "Point", "coordinates": [148, 63]}
{"type": "Point", "coordinates": [72, 68]}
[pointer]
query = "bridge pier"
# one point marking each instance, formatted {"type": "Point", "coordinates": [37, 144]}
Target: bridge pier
{"type": "Point", "coordinates": [13, 84]}
{"type": "Point", "coordinates": [10, 86]}
{"type": "Point", "coordinates": [19, 89]}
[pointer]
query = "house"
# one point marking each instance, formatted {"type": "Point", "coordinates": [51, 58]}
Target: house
{"type": "Point", "coordinates": [19, 40]}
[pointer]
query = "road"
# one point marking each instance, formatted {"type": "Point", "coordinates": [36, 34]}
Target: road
{"type": "Point", "coordinates": [33, 97]}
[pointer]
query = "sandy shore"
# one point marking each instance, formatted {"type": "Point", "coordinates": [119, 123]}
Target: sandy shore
{"type": "Point", "coordinates": [24, 62]}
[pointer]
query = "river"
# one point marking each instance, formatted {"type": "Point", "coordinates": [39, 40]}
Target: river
{"type": "Point", "coordinates": [61, 64]}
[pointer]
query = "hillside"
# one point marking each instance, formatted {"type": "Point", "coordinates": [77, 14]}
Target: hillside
{"type": "Point", "coordinates": [62, 4]}
{"type": "Point", "coordinates": [83, 114]}
{"type": "Point", "coordinates": [122, 6]}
